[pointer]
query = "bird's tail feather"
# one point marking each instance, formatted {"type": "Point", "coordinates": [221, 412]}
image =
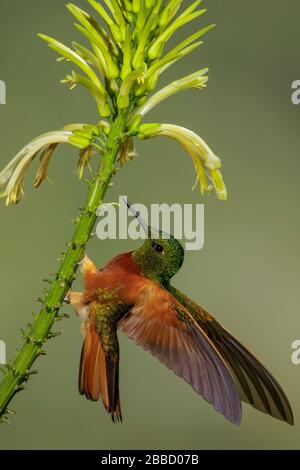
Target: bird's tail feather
{"type": "Point", "coordinates": [99, 374]}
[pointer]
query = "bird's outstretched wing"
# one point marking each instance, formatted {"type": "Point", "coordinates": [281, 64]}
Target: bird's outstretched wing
{"type": "Point", "coordinates": [99, 370]}
{"type": "Point", "coordinates": [164, 327]}
{"type": "Point", "coordinates": [255, 383]}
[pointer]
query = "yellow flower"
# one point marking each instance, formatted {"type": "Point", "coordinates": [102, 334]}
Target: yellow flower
{"type": "Point", "coordinates": [12, 177]}
{"type": "Point", "coordinates": [207, 164]}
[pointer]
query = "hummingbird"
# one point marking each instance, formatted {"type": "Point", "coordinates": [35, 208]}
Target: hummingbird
{"type": "Point", "coordinates": [133, 293]}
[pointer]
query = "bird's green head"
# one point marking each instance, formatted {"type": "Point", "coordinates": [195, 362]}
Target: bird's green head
{"type": "Point", "coordinates": [160, 259]}
{"type": "Point", "coordinates": [161, 255]}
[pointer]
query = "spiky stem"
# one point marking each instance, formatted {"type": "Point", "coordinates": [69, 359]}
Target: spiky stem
{"type": "Point", "coordinates": [18, 371]}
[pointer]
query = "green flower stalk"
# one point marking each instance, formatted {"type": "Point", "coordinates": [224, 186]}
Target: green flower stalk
{"type": "Point", "coordinates": [120, 67]}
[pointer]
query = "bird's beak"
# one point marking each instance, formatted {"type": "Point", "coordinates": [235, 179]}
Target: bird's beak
{"type": "Point", "coordinates": [138, 216]}
{"type": "Point", "coordinates": [152, 233]}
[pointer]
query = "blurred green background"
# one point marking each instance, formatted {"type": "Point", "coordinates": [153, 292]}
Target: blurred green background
{"type": "Point", "coordinates": [248, 272]}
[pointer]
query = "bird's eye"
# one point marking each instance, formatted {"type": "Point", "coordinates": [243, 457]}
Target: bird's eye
{"type": "Point", "coordinates": [158, 248]}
